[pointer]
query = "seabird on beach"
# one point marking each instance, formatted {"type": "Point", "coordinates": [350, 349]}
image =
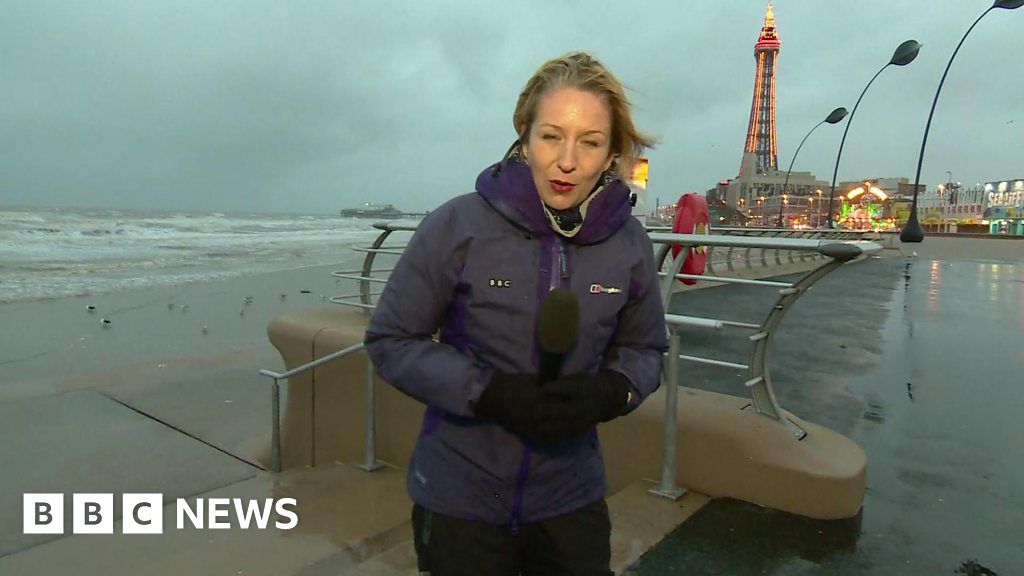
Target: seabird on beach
{"type": "Point", "coordinates": [283, 296]}
{"type": "Point", "coordinates": [90, 308]}
{"type": "Point", "coordinates": [205, 329]}
{"type": "Point", "coordinates": [184, 307]}
{"type": "Point", "coordinates": [106, 323]}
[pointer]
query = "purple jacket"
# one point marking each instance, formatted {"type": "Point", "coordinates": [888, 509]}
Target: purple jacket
{"type": "Point", "coordinates": [477, 268]}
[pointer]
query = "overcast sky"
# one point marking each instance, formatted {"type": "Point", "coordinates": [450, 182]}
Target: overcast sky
{"type": "Point", "coordinates": [310, 107]}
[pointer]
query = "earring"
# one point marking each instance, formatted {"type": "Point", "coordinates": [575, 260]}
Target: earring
{"type": "Point", "coordinates": [611, 173]}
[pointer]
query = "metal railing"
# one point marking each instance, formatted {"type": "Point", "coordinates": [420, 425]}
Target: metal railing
{"type": "Point", "coordinates": [719, 257]}
{"type": "Point", "coordinates": [764, 401]}
{"type": "Point", "coordinates": [370, 463]}
{"type": "Point", "coordinates": [365, 275]}
{"type": "Point", "coordinates": [833, 247]}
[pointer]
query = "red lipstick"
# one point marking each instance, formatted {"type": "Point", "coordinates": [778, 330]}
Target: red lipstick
{"type": "Point", "coordinates": [560, 186]}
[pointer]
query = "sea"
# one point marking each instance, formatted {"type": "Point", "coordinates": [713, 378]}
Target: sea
{"type": "Point", "coordinates": [58, 252]}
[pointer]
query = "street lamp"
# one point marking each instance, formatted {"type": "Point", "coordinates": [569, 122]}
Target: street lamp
{"type": "Point", "coordinates": [760, 210]}
{"type": "Point", "coordinates": [912, 231]}
{"type": "Point", "coordinates": [785, 202]}
{"type": "Point", "coordinates": [817, 221]}
{"type": "Point", "coordinates": [833, 117]}
{"type": "Point", "coordinates": [904, 54]}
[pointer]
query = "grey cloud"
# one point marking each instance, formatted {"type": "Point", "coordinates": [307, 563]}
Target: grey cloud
{"type": "Point", "coordinates": [312, 106]}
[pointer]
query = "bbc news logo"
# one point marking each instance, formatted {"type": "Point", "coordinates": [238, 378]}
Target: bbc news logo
{"type": "Point", "coordinates": [144, 513]}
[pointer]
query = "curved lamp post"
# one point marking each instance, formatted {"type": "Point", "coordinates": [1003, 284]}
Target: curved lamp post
{"type": "Point", "coordinates": [912, 231]}
{"type": "Point", "coordinates": [904, 54]}
{"type": "Point", "coordinates": [833, 118]}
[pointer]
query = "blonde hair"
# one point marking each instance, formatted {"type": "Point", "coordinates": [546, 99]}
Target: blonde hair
{"type": "Point", "coordinates": [583, 71]}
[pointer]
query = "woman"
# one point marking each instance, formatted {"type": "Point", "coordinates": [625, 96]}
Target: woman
{"type": "Point", "coordinates": [507, 475]}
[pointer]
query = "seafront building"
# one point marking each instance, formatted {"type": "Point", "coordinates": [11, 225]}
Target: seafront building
{"type": "Point", "coordinates": [872, 203]}
{"type": "Point", "coordinates": [1003, 209]}
{"type": "Point", "coordinates": [950, 207]}
{"type": "Point", "coordinates": [989, 208]}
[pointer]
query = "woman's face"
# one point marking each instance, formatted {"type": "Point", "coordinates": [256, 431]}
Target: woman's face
{"type": "Point", "coordinates": [569, 145]}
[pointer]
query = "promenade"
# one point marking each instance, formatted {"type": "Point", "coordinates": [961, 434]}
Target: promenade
{"type": "Point", "coordinates": [916, 358]}
{"type": "Point", "coordinates": [920, 361]}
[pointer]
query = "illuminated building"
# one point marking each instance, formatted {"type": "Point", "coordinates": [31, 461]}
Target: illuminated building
{"type": "Point", "coordinates": [761, 140]}
{"type": "Point", "coordinates": [638, 189]}
{"type": "Point", "coordinates": [757, 191]}
{"type": "Point", "coordinates": [1004, 207]}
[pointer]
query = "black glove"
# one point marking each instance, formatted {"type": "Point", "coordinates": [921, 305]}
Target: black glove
{"type": "Point", "coordinates": [573, 404]}
{"type": "Point", "coordinates": [511, 400]}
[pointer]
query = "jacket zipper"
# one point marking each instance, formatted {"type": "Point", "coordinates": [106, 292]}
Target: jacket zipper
{"type": "Point", "coordinates": [558, 274]}
{"type": "Point", "coordinates": [563, 263]}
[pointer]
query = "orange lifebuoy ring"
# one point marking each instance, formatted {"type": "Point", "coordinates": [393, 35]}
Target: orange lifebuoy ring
{"type": "Point", "coordinates": [692, 218]}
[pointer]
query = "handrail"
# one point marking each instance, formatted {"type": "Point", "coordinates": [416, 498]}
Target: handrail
{"type": "Point", "coordinates": [370, 464]}
{"type": "Point", "coordinates": [313, 364]}
{"type": "Point", "coordinates": [834, 247]}
{"type": "Point", "coordinates": [729, 238]}
{"type": "Point", "coordinates": [759, 375]}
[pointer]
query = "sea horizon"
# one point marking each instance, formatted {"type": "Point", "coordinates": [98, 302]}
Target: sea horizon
{"type": "Point", "coordinates": [54, 252]}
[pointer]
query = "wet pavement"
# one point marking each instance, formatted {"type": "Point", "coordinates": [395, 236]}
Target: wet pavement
{"type": "Point", "coordinates": [921, 362]}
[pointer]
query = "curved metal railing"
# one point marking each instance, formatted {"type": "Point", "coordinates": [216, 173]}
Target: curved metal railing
{"type": "Point", "coordinates": [835, 253]}
{"type": "Point", "coordinates": [720, 257]}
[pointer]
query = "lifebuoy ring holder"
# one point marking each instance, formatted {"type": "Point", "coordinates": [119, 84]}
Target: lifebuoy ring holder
{"type": "Point", "coordinates": [691, 218]}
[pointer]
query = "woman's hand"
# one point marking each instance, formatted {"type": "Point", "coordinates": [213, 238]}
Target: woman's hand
{"type": "Point", "coordinates": [573, 404]}
{"type": "Point", "coordinates": [512, 400]}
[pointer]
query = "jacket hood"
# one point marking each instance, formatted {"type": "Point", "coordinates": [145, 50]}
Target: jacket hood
{"type": "Point", "coordinates": [509, 188]}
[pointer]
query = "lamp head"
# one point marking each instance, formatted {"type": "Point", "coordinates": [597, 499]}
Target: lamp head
{"type": "Point", "coordinates": [1008, 4]}
{"type": "Point", "coordinates": [906, 52]}
{"type": "Point", "coordinates": [840, 113]}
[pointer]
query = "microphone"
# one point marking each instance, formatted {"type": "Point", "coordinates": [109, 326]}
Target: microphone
{"type": "Point", "coordinates": [557, 330]}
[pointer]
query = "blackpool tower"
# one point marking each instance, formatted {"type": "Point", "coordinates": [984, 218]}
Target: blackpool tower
{"type": "Point", "coordinates": [761, 140]}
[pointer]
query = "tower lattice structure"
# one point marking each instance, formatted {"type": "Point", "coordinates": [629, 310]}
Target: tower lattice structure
{"type": "Point", "coordinates": [761, 140]}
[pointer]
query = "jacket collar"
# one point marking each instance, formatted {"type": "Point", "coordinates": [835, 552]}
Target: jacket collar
{"type": "Point", "coordinates": [509, 188]}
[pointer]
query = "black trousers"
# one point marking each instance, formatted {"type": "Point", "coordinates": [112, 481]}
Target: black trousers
{"type": "Point", "coordinates": [577, 544]}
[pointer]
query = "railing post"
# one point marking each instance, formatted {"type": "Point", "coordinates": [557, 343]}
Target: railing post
{"type": "Point", "coordinates": [364, 285]}
{"type": "Point", "coordinates": [668, 488]}
{"type": "Point", "coordinates": [275, 440]}
{"type": "Point", "coordinates": [370, 463]}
